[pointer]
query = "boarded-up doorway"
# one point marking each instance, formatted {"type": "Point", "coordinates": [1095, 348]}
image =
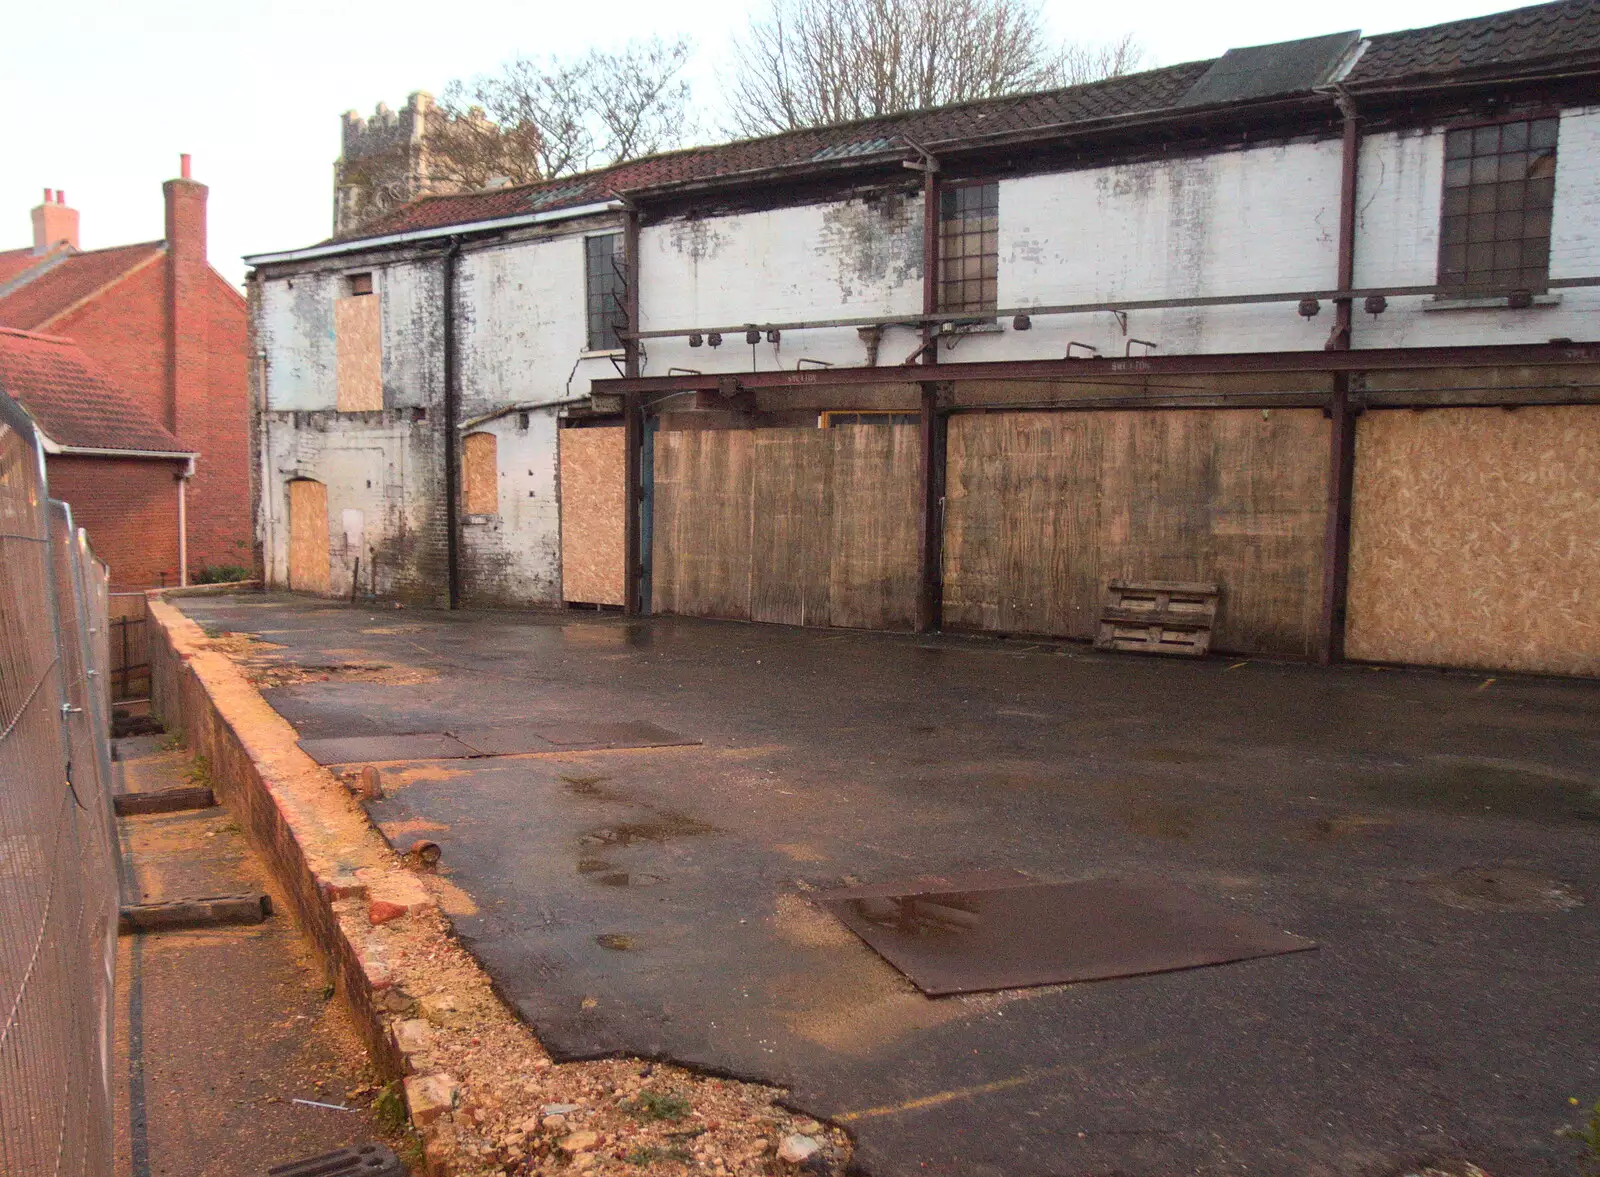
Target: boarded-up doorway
{"type": "Point", "coordinates": [593, 505]}
{"type": "Point", "coordinates": [1475, 538]}
{"type": "Point", "coordinates": [799, 526]}
{"type": "Point", "coordinates": [1043, 508]}
{"type": "Point", "coordinates": [308, 536]}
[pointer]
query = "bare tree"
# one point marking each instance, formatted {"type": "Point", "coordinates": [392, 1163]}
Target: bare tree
{"type": "Point", "coordinates": [813, 62]}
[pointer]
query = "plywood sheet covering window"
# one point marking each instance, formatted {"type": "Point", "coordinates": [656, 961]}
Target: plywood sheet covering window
{"type": "Point", "coordinates": [1042, 509]}
{"type": "Point", "coordinates": [359, 353]}
{"type": "Point", "coordinates": [480, 474]}
{"type": "Point", "coordinates": [308, 536]}
{"type": "Point", "coordinates": [593, 505]}
{"type": "Point", "coordinates": [798, 526]}
{"type": "Point", "coordinates": [1475, 539]}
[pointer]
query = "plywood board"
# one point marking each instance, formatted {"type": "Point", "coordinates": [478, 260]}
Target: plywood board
{"type": "Point", "coordinates": [791, 526]}
{"type": "Point", "coordinates": [480, 474]}
{"type": "Point", "coordinates": [801, 526]}
{"type": "Point", "coordinates": [701, 530]}
{"type": "Point", "coordinates": [873, 572]}
{"type": "Point", "coordinates": [1043, 509]}
{"type": "Point", "coordinates": [1475, 539]}
{"type": "Point", "coordinates": [593, 515]}
{"type": "Point", "coordinates": [359, 353]}
{"type": "Point", "coordinates": [309, 569]}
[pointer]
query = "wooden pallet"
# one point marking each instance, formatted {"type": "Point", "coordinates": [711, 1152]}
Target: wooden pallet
{"type": "Point", "coordinates": [1158, 617]}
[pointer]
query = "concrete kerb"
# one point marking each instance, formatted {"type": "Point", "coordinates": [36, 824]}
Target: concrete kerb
{"type": "Point", "coordinates": [330, 861]}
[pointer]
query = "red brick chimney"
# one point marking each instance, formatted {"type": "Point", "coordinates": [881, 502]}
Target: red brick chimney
{"type": "Point", "coordinates": [187, 321]}
{"type": "Point", "coordinates": [54, 222]}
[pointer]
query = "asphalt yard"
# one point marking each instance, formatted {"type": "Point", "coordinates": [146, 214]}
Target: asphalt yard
{"type": "Point", "coordinates": [1437, 836]}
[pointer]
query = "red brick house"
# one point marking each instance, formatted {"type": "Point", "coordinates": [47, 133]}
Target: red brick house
{"type": "Point", "coordinates": [124, 473]}
{"type": "Point", "coordinates": [168, 331]}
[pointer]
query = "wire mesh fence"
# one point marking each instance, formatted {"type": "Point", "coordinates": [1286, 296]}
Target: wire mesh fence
{"type": "Point", "coordinates": [58, 879]}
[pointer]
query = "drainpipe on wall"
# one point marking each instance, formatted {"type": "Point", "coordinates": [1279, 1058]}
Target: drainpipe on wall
{"type": "Point", "coordinates": [633, 558]}
{"type": "Point", "coordinates": [451, 398]}
{"type": "Point", "coordinates": [1342, 431]}
{"type": "Point", "coordinates": [183, 523]}
{"type": "Point", "coordinates": [932, 424]}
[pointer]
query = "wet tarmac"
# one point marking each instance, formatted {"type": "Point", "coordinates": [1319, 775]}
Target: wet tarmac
{"type": "Point", "coordinates": [1438, 836]}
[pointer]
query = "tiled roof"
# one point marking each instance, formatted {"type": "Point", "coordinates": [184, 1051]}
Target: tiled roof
{"type": "Point", "coordinates": [15, 261]}
{"type": "Point", "coordinates": [1150, 90]}
{"type": "Point", "coordinates": [1523, 36]}
{"type": "Point", "coordinates": [73, 400]}
{"type": "Point", "coordinates": [40, 299]}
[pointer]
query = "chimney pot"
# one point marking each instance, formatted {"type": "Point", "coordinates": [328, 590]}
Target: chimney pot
{"type": "Point", "coordinates": [61, 197]}
{"type": "Point", "coordinates": [47, 196]}
{"type": "Point", "coordinates": [183, 162]}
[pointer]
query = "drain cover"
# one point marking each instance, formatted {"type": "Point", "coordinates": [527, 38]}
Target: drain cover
{"type": "Point", "coordinates": [964, 938]}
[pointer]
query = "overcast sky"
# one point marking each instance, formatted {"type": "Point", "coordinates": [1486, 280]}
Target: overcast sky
{"type": "Point", "coordinates": [104, 94]}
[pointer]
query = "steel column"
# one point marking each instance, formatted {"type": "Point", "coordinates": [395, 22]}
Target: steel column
{"type": "Point", "coordinates": [933, 426]}
{"type": "Point", "coordinates": [633, 496]}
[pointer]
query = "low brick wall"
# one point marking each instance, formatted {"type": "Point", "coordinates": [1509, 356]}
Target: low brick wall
{"type": "Point", "coordinates": [316, 840]}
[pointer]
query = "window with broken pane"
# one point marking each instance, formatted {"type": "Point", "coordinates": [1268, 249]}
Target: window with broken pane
{"type": "Point", "coordinates": [969, 248]}
{"type": "Point", "coordinates": [1499, 187]}
{"type": "Point", "coordinates": [606, 286]}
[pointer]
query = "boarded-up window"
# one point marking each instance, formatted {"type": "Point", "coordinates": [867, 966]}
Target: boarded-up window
{"type": "Point", "coordinates": [480, 474]}
{"type": "Point", "coordinates": [360, 353]}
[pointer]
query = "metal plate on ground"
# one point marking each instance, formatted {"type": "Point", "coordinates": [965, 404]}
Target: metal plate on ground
{"type": "Point", "coordinates": [376, 749]}
{"type": "Point", "coordinates": [506, 741]}
{"type": "Point", "coordinates": [971, 939]}
{"type": "Point", "coordinates": [574, 737]}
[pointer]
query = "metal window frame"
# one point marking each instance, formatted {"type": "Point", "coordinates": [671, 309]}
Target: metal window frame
{"type": "Point", "coordinates": [947, 192]}
{"type": "Point", "coordinates": [1466, 287]}
{"type": "Point", "coordinates": [605, 311]}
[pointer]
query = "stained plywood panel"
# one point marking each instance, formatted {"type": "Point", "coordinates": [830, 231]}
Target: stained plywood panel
{"type": "Point", "coordinates": [701, 529]}
{"type": "Point", "coordinates": [359, 353]}
{"type": "Point", "coordinates": [593, 515]}
{"type": "Point", "coordinates": [873, 570]}
{"type": "Point", "coordinates": [1042, 509]}
{"type": "Point", "coordinates": [309, 570]}
{"type": "Point", "coordinates": [1475, 539]}
{"type": "Point", "coordinates": [791, 526]}
{"type": "Point", "coordinates": [800, 526]}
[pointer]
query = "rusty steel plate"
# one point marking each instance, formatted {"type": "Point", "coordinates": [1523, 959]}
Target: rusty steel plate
{"type": "Point", "coordinates": [506, 741]}
{"type": "Point", "coordinates": [579, 737]}
{"type": "Point", "coordinates": [957, 937]}
{"type": "Point", "coordinates": [376, 749]}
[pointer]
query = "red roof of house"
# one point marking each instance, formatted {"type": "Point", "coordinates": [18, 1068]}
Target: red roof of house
{"type": "Point", "coordinates": [72, 399]}
{"type": "Point", "coordinates": [14, 261]}
{"type": "Point", "coordinates": [1539, 36]}
{"type": "Point", "coordinates": [41, 298]}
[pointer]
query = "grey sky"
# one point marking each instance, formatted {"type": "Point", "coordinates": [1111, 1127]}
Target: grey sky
{"type": "Point", "coordinates": [104, 95]}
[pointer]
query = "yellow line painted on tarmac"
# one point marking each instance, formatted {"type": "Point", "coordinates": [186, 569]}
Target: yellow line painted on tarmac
{"type": "Point", "coordinates": [928, 1101]}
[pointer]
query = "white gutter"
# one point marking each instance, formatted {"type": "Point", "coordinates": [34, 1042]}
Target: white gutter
{"type": "Point", "coordinates": [95, 451]}
{"type": "Point", "coordinates": [362, 244]}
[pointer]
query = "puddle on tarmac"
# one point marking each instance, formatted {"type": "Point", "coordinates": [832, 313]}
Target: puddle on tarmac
{"type": "Point", "coordinates": [624, 878]}
{"type": "Point", "coordinates": [662, 828]}
{"type": "Point", "coordinates": [1169, 755]}
{"type": "Point", "coordinates": [615, 941]}
{"type": "Point", "coordinates": [1502, 889]}
{"type": "Point", "coordinates": [1489, 791]}
{"type": "Point", "coordinates": [585, 786]}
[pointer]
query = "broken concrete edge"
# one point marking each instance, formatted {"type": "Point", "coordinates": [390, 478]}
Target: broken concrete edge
{"type": "Point", "coordinates": [334, 867]}
{"type": "Point", "coordinates": [209, 912]}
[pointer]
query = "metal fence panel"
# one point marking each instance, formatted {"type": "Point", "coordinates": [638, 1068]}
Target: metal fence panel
{"type": "Point", "coordinates": [58, 890]}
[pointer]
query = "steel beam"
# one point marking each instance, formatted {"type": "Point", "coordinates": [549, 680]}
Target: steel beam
{"type": "Point", "coordinates": [1357, 360]}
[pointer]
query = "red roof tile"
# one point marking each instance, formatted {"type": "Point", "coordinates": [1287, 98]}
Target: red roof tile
{"type": "Point", "coordinates": [14, 261]}
{"type": "Point", "coordinates": [40, 299]}
{"type": "Point", "coordinates": [1507, 40]}
{"type": "Point", "coordinates": [72, 399]}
